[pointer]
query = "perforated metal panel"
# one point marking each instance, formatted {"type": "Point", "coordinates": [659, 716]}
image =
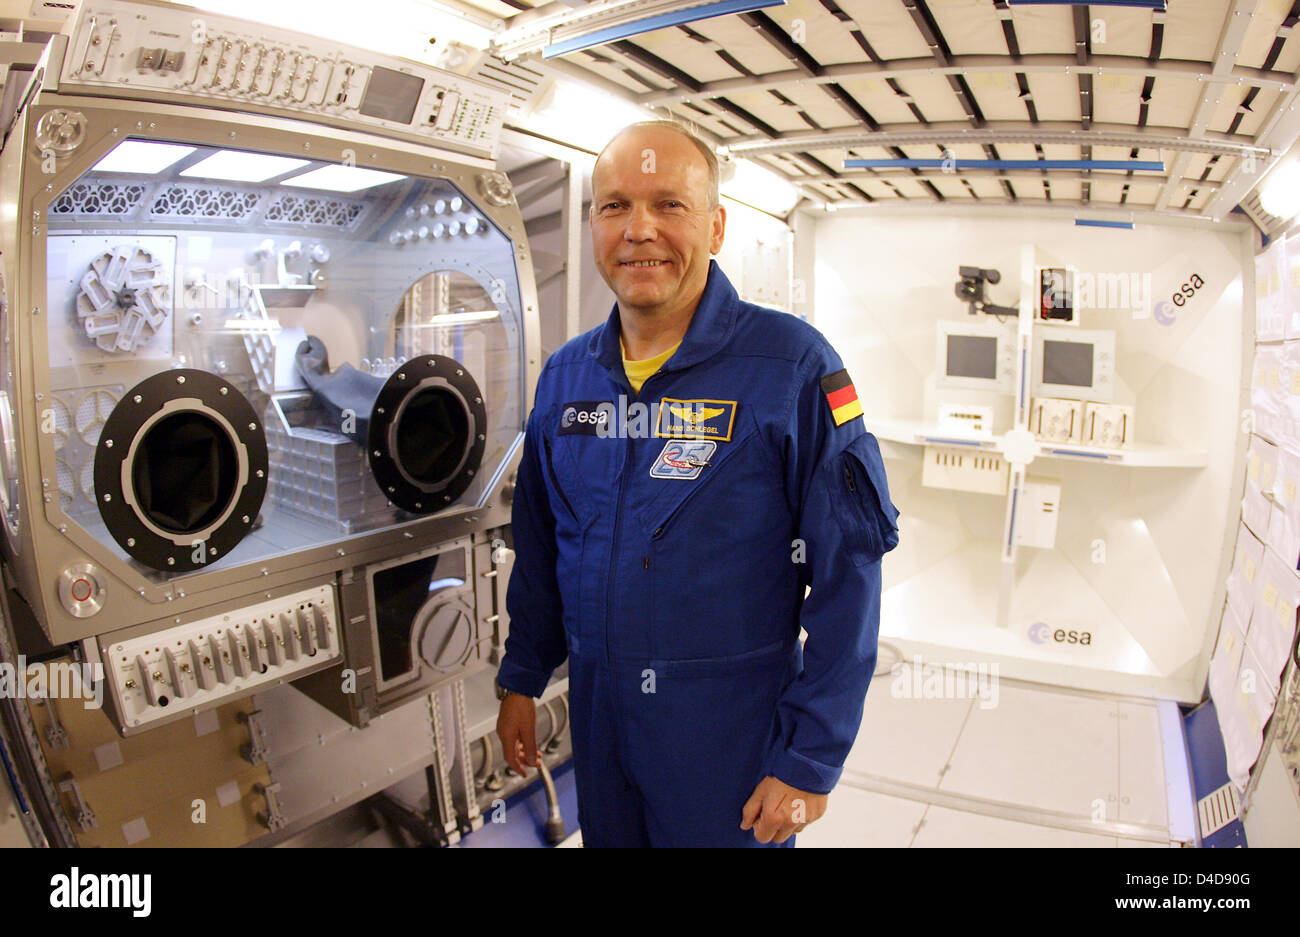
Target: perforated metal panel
{"type": "Point", "coordinates": [182, 200]}
{"type": "Point", "coordinates": [100, 198]}
{"type": "Point", "coordinates": [314, 210]}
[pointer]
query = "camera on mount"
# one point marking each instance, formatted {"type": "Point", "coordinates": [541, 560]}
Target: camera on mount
{"type": "Point", "coordinates": [970, 290]}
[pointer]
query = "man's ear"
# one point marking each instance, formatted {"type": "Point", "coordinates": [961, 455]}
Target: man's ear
{"type": "Point", "coordinates": [718, 230]}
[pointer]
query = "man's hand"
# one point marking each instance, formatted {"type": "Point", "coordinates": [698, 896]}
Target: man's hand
{"type": "Point", "coordinates": [776, 811]}
{"type": "Point", "coordinates": [517, 727]}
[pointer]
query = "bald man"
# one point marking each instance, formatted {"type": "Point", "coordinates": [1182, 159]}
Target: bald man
{"type": "Point", "coordinates": [690, 468]}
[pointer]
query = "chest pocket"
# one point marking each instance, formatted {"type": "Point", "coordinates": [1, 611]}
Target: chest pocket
{"type": "Point", "coordinates": [564, 490]}
{"type": "Point", "coordinates": [583, 468]}
{"type": "Point", "coordinates": [735, 469]}
{"type": "Point", "coordinates": [860, 493]}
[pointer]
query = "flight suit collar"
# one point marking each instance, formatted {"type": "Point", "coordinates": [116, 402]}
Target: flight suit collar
{"type": "Point", "coordinates": [711, 326]}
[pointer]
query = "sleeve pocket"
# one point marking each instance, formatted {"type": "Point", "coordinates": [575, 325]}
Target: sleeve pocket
{"type": "Point", "coordinates": [867, 517]}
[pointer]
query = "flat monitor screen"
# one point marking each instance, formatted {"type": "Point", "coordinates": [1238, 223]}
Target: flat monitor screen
{"type": "Point", "coordinates": [973, 356]}
{"type": "Point", "coordinates": [391, 95]}
{"type": "Point", "coordinates": [1067, 363]}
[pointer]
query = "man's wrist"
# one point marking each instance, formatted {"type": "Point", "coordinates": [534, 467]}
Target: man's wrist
{"type": "Point", "coordinates": [503, 692]}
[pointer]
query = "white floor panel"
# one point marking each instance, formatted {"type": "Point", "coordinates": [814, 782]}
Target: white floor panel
{"type": "Point", "coordinates": [944, 828]}
{"type": "Point", "coordinates": [1142, 787]}
{"type": "Point", "coordinates": [906, 738]}
{"type": "Point", "coordinates": [857, 818]}
{"type": "Point", "coordinates": [1041, 749]}
{"type": "Point", "coordinates": [1037, 749]}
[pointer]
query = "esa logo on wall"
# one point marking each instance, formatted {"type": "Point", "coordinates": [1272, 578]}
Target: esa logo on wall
{"type": "Point", "coordinates": [1187, 290]}
{"type": "Point", "coordinates": [1041, 633]}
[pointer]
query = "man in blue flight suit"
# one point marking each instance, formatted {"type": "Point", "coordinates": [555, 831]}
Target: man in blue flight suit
{"type": "Point", "coordinates": [690, 467]}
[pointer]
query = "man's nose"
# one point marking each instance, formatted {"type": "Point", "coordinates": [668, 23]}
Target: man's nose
{"type": "Point", "coordinates": [640, 224]}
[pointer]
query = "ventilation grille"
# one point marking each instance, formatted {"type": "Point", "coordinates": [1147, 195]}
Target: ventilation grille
{"type": "Point", "coordinates": [1269, 224]}
{"type": "Point", "coordinates": [1218, 809]}
{"type": "Point", "coordinates": [99, 198]}
{"type": "Point", "coordinates": [514, 78]}
{"type": "Point", "coordinates": [78, 418]}
{"type": "Point", "coordinates": [52, 10]}
{"type": "Point", "coordinates": [308, 209]}
{"type": "Point", "coordinates": [204, 203]}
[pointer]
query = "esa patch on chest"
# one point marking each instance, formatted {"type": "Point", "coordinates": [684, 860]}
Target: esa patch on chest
{"type": "Point", "coordinates": [683, 458]}
{"type": "Point", "coordinates": [696, 419]}
{"type": "Point", "coordinates": [585, 417]}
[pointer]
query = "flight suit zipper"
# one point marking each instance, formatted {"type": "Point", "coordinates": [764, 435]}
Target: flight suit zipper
{"type": "Point", "coordinates": [676, 512]}
{"type": "Point", "coordinates": [618, 515]}
{"type": "Point", "coordinates": [555, 479]}
{"type": "Point", "coordinates": [874, 537]}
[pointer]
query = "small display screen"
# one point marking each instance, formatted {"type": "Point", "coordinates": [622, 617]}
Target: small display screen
{"type": "Point", "coordinates": [1067, 363]}
{"type": "Point", "coordinates": [973, 356]}
{"type": "Point", "coordinates": [391, 95]}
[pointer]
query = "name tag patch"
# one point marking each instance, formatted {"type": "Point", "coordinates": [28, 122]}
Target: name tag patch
{"type": "Point", "coordinates": [585, 417]}
{"type": "Point", "coordinates": [696, 419]}
{"type": "Point", "coordinates": [683, 459]}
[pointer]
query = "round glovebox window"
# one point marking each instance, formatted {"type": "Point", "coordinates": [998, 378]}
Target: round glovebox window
{"type": "Point", "coordinates": [432, 434]}
{"type": "Point", "coordinates": [181, 462]}
{"type": "Point", "coordinates": [427, 433]}
{"type": "Point", "coordinates": [185, 473]}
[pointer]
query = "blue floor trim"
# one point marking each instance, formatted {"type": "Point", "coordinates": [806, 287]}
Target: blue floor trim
{"type": "Point", "coordinates": [1209, 765]}
{"type": "Point", "coordinates": [525, 816]}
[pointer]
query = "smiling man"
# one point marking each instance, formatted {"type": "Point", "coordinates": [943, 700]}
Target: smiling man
{"type": "Point", "coordinates": [669, 558]}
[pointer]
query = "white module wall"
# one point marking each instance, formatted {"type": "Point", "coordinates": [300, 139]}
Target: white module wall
{"type": "Point", "coordinates": [1128, 599]}
{"type": "Point", "coordinates": [1253, 679]}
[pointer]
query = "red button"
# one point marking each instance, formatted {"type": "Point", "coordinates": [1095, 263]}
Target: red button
{"type": "Point", "coordinates": [81, 590]}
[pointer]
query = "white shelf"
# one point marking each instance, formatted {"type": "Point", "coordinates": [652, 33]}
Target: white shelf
{"type": "Point", "coordinates": [921, 433]}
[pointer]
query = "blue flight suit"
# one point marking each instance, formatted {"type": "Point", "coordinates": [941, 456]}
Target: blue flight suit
{"type": "Point", "coordinates": [666, 554]}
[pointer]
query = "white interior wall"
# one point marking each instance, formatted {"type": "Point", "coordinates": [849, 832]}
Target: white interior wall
{"type": "Point", "coordinates": [882, 282]}
{"type": "Point", "coordinates": [1273, 817]}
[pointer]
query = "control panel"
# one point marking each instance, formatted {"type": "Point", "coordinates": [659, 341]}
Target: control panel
{"type": "Point", "coordinates": [200, 664]}
{"type": "Point", "coordinates": [140, 49]}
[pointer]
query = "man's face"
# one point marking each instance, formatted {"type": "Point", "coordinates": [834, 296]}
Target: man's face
{"type": "Point", "coordinates": [652, 229]}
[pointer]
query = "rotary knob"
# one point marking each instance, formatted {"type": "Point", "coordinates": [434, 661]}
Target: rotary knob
{"type": "Point", "coordinates": [495, 188]}
{"type": "Point", "coordinates": [81, 590]}
{"type": "Point", "coordinates": [61, 131]}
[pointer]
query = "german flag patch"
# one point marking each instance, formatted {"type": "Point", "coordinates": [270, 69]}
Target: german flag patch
{"type": "Point", "coordinates": [841, 396]}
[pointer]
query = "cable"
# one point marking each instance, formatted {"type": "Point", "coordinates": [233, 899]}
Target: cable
{"type": "Point", "coordinates": [555, 832]}
{"type": "Point", "coordinates": [13, 779]}
{"type": "Point", "coordinates": [489, 762]}
{"type": "Point", "coordinates": [562, 706]}
{"type": "Point", "coordinates": [563, 700]}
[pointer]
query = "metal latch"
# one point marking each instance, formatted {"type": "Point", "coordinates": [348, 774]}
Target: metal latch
{"type": "Point", "coordinates": [272, 819]}
{"type": "Point", "coordinates": [85, 817]}
{"type": "Point", "coordinates": [254, 750]}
